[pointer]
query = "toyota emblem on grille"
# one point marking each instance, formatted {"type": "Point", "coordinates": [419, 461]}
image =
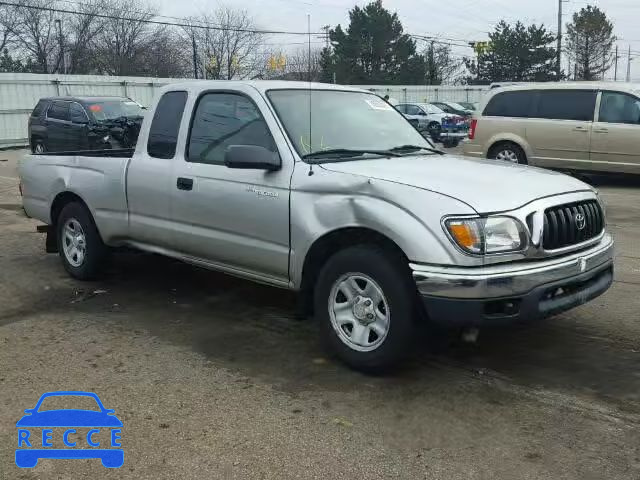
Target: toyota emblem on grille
{"type": "Point", "coordinates": [580, 221]}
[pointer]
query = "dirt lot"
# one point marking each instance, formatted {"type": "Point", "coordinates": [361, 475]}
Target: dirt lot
{"type": "Point", "coordinates": [215, 378]}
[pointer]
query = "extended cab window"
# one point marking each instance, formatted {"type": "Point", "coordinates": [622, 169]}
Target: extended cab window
{"type": "Point", "coordinates": [59, 111]}
{"type": "Point", "coordinates": [619, 108]}
{"type": "Point", "coordinates": [510, 104]}
{"type": "Point", "coordinates": [224, 119]}
{"type": "Point", "coordinates": [163, 134]}
{"type": "Point", "coordinates": [566, 105]}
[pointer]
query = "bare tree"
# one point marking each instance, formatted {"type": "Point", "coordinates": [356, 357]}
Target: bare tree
{"type": "Point", "coordinates": [440, 66]}
{"type": "Point", "coordinates": [228, 47]}
{"type": "Point", "coordinates": [122, 40]}
{"type": "Point", "coordinates": [36, 34]}
{"type": "Point", "coordinates": [82, 33]}
{"type": "Point", "coordinates": [301, 66]}
{"type": "Point", "coordinates": [9, 22]}
{"type": "Point", "coordinates": [165, 55]}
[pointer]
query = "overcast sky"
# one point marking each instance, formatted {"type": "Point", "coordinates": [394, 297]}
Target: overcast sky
{"type": "Point", "coordinates": [465, 20]}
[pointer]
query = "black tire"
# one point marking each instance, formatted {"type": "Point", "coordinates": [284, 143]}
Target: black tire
{"type": "Point", "coordinates": [398, 289]}
{"type": "Point", "coordinates": [508, 149]}
{"type": "Point", "coordinates": [435, 130]}
{"type": "Point", "coordinates": [95, 251]}
{"type": "Point", "coordinates": [35, 143]}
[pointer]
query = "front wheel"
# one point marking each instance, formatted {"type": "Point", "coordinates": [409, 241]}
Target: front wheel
{"type": "Point", "coordinates": [365, 302]}
{"type": "Point", "coordinates": [39, 147]}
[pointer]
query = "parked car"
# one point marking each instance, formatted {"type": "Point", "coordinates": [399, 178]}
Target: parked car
{"type": "Point", "coordinates": [84, 123]}
{"type": "Point", "coordinates": [568, 126]}
{"type": "Point", "coordinates": [453, 108]}
{"type": "Point", "coordinates": [472, 107]}
{"type": "Point", "coordinates": [327, 190]}
{"type": "Point", "coordinates": [429, 118]}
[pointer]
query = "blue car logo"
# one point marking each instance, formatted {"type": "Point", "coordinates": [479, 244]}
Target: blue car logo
{"type": "Point", "coordinates": [61, 425]}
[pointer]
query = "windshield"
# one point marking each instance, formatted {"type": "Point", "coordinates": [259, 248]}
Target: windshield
{"type": "Point", "coordinates": [115, 109]}
{"type": "Point", "coordinates": [431, 108]}
{"type": "Point", "coordinates": [457, 106]}
{"type": "Point", "coordinates": [342, 120]}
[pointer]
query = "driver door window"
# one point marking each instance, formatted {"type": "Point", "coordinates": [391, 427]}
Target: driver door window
{"type": "Point", "coordinates": [619, 108]}
{"type": "Point", "coordinates": [222, 120]}
{"type": "Point", "coordinates": [615, 142]}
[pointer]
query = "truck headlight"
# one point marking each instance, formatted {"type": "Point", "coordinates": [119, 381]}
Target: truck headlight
{"type": "Point", "coordinates": [487, 235]}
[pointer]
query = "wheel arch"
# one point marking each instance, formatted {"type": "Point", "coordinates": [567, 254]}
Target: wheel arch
{"type": "Point", "coordinates": [509, 138]}
{"type": "Point", "coordinates": [331, 242]}
{"type": "Point", "coordinates": [61, 200]}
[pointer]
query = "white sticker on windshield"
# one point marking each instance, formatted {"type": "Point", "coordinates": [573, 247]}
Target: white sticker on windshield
{"type": "Point", "coordinates": [378, 104]}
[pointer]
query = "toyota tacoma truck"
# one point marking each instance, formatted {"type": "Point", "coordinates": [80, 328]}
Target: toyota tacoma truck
{"type": "Point", "coordinates": [329, 191]}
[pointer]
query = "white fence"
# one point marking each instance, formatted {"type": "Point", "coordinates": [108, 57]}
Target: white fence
{"type": "Point", "coordinates": [431, 93]}
{"type": "Point", "coordinates": [19, 93]}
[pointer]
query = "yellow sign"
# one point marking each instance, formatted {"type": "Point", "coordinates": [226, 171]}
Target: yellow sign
{"type": "Point", "coordinates": [278, 62]}
{"type": "Point", "coordinates": [481, 47]}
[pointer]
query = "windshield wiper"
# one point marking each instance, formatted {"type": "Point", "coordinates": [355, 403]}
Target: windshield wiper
{"type": "Point", "coordinates": [337, 154]}
{"type": "Point", "coordinates": [415, 148]}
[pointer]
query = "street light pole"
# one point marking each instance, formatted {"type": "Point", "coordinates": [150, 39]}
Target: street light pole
{"type": "Point", "coordinates": [559, 52]}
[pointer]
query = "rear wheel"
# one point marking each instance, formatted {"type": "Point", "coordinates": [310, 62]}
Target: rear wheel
{"type": "Point", "coordinates": [508, 152]}
{"type": "Point", "coordinates": [365, 302]}
{"type": "Point", "coordinates": [81, 249]}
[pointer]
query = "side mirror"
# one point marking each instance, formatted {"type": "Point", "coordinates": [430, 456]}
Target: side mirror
{"type": "Point", "coordinates": [251, 157]}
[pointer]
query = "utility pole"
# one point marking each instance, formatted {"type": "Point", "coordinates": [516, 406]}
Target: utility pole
{"type": "Point", "coordinates": [559, 53]}
{"type": "Point", "coordinates": [58, 23]}
{"type": "Point", "coordinates": [629, 65]}
{"type": "Point", "coordinates": [615, 69]}
{"type": "Point", "coordinates": [195, 54]}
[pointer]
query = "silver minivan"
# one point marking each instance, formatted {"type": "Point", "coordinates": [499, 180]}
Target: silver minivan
{"type": "Point", "coordinates": [588, 126]}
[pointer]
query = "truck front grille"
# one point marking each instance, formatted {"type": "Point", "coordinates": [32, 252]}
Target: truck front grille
{"type": "Point", "coordinates": [571, 224]}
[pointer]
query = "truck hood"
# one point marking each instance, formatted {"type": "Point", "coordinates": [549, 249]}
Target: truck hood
{"type": "Point", "coordinates": [485, 185]}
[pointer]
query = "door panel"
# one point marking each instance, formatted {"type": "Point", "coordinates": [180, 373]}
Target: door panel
{"type": "Point", "coordinates": [58, 126]}
{"type": "Point", "coordinates": [560, 131]}
{"type": "Point", "coordinates": [558, 143]}
{"type": "Point", "coordinates": [78, 139]}
{"type": "Point", "coordinates": [236, 218]}
{"type": "Point", "coordinates": [615, 143]}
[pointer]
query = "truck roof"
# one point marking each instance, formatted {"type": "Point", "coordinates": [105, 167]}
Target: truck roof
{"type": "Point", "coordinates": [260, 85]}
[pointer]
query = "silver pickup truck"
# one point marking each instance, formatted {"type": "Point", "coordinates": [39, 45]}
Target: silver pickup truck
{"type": "Point", "coordinates": [329, 191]}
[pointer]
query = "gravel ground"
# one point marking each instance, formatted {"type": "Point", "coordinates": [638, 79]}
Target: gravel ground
{"type": "Point", "coordinates": [214, 377]}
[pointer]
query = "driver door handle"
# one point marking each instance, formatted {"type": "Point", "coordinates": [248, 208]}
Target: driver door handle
{"type": "Point", "coordinates": [581, 129]}
{"type": "Point", "coordinates": [601, 130]}
{"type": "Point", "coordinates": [184, 183]}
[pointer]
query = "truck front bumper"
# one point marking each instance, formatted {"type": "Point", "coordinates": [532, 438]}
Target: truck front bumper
{"type": "Point", "coordinates": [514, 292]}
